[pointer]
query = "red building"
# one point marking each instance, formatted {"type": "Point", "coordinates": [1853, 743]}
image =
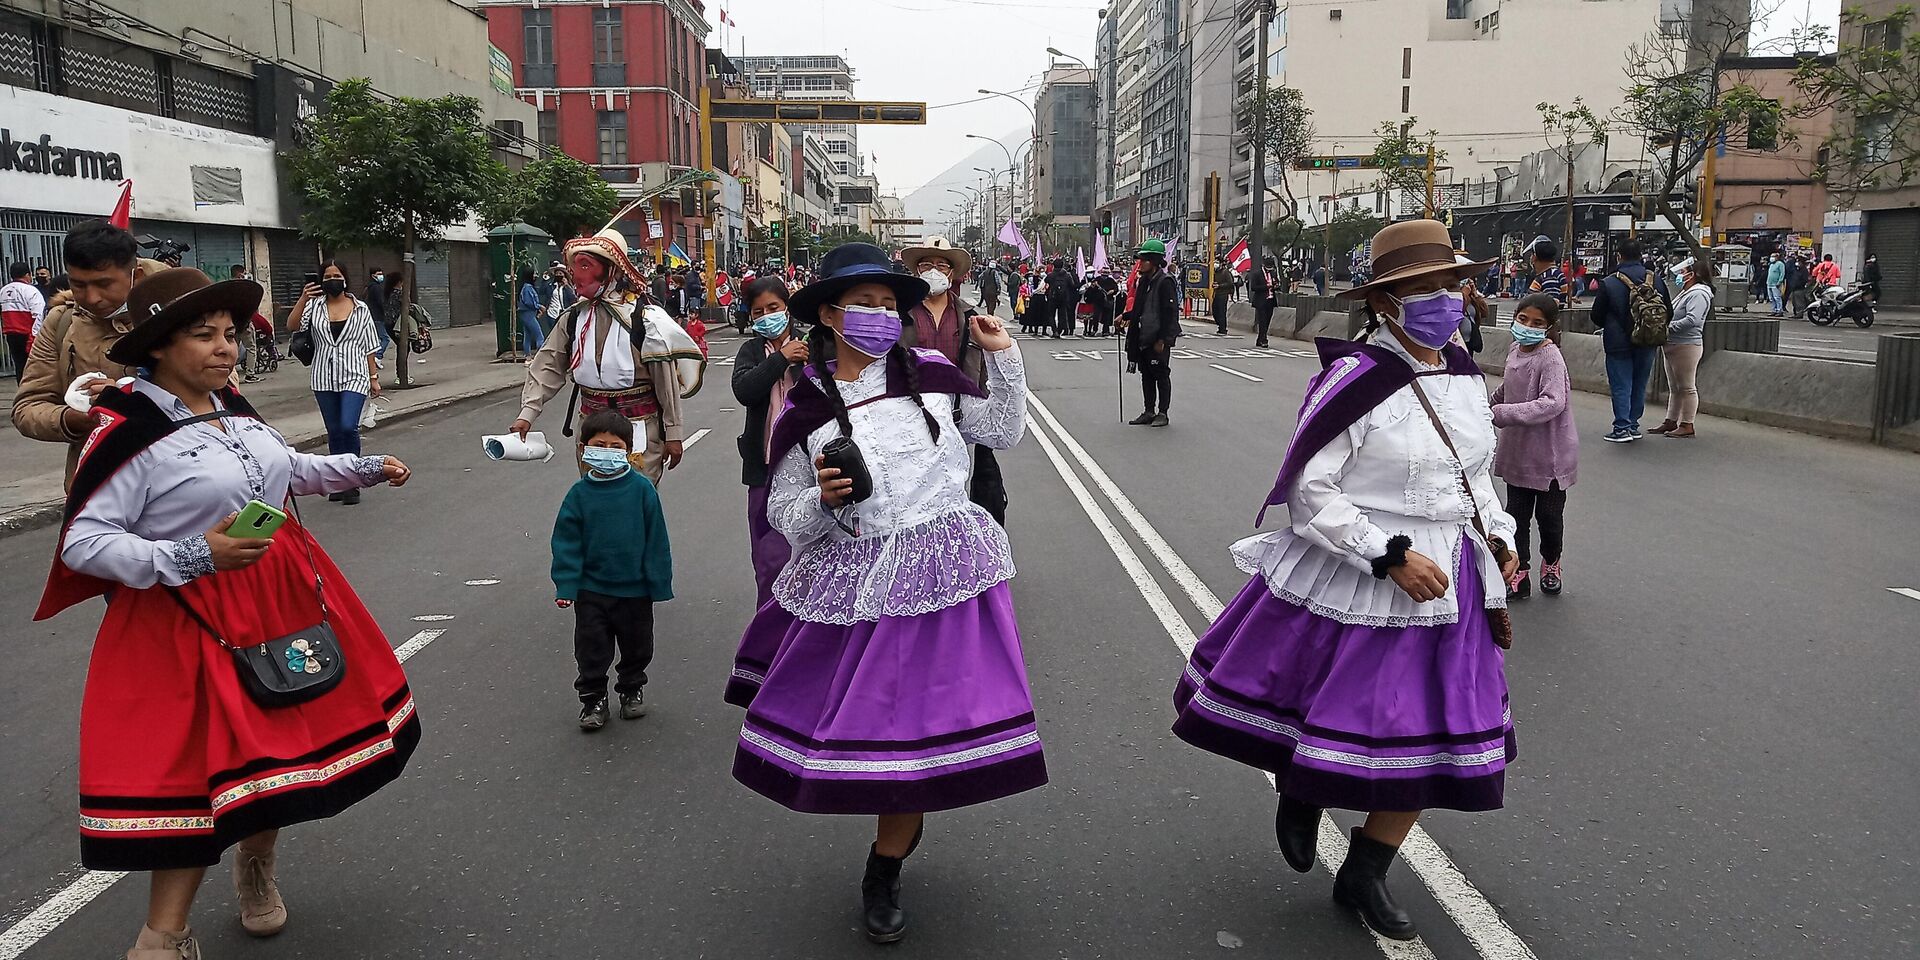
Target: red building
{"type": "Point", "coordinates": [616, 84]}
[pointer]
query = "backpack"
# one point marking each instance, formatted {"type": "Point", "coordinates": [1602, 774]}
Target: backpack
{"type": "Point", "coordinates": [1649, 311]}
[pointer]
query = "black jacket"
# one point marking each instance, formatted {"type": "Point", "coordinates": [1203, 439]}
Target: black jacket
{"type": "Point", "coordinates": [1163, 290]}
{"type": "Point", "coordinates": [1613, 307]}
{"type": "Point", "coordinates": [756, 370]}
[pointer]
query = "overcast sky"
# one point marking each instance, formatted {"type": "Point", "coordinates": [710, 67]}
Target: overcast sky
{"type": "Point", "coordinates": [943, 51]}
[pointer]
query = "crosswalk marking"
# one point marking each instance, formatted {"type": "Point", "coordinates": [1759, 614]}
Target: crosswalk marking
{"type": "Point", "coordinates": [1908, 592]}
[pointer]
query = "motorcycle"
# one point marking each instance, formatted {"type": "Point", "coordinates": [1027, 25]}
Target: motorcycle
{"type": "Point", "coordinates": [1837, 303]}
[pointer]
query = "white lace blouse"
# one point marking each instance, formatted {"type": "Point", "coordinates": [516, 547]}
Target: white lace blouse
{"type": "Point", "coordinates": [923, 546]}
{"type": "Point", "coordinates": [147, 525]}
{"type": "Point", "coordinates": [1389, 474]}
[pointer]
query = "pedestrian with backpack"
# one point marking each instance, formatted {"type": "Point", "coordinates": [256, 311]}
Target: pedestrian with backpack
{"type": "Point", "coordinates": [1632, 310]}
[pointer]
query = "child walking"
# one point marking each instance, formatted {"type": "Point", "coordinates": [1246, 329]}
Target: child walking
{"type": "Point", "coordinates": [611, 563]}
{"type": "Point", "coordinates": [1539, 450]}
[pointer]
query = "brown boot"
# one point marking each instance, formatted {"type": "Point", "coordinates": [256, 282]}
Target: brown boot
{"type": "Point", "coordinates": [162, 945]}
{"type": "Point", "coordinates": [262, 911]}
{"type": "Point", "coordinates": [1666, 426]}
{"type": "Point", "coordinates": [1682, 432]}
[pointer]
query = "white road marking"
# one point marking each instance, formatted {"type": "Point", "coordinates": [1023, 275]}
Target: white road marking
{"type": "Point", "coordinates": [481, 583]}
{"type": "Point", "coordinates": [51, 914]}
{"type": "Point", "coordinates": [1907, 592]}
{"type": "Point", "coordinates": [416, 643]}
{"type": "Point", "coordinates": [1468, 907]}
{"type": "Point", "coordinates": [1808, 339]}
{"type": "Point", "coordinates": [1243, 376]}
{"type": "Point", "coordinates": [57, 909]}
{"type": "Point", "coordinates": [433, 617]}
{"type": "Point", "coordinates": [697, 434]}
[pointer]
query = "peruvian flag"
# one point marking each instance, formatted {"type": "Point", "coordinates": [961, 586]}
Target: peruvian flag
{"type": "Point", "coordinates": [1240, 257]}
{"type": "Point", "coordinates": [122, 216]}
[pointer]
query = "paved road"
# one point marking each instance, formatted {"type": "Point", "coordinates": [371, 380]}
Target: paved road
{"type": "Point", "coordinates": [1801, 338]}
{"type": "Point", "coordinates": [1715, 721]}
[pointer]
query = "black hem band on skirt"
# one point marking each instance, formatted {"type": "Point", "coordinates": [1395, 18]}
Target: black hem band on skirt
{"type": "Point", "coordinates": [283, 809]}
{"type": "Point", "coordinates": [740, 692]}
{"type": "Point", "coordinates": [877, 797]}
{"type": "Point", "coordinates": [1339, 792]}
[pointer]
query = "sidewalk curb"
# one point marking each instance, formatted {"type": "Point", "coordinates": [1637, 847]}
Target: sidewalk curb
{"type": "Point", "coordinates": [35, 516]}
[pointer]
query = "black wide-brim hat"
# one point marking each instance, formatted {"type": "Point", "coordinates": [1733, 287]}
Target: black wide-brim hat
{"type": "Point", "coordinates": [850, 265]}
{"type": "Point", "coordinates": [164, 302]}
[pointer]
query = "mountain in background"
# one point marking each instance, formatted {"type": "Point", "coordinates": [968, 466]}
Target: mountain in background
{"type": "Point", "coordinates": [927, 202]}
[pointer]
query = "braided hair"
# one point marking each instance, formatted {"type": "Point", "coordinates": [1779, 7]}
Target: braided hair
{"type": "Point", "coordinates": [820, 343]}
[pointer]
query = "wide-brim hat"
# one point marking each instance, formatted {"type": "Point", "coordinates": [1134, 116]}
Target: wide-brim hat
{"type": "Point", "coordinates": [1409, 249]}
{"type": "Point", "coordinates": [850, 265]}
{"type": "Point", "coordinates": [608, 245]}
{"type": "Point", "coordinates": [937, 248]}
{"type": "Point", "coordinates": [167, 300]}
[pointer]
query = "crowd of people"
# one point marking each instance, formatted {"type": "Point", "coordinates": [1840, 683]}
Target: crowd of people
{"type": "Point", "coordinates": [1362, 665]}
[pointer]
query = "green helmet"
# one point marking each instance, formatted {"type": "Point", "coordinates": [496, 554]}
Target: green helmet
{"type": "Point", "coordinates": [1153, 247]}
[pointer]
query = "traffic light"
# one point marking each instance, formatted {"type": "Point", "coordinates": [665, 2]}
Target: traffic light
{"type": "Point", "coordinates": [1106, 223]}
{"type": "Point", "coordinates": [774, 230]}
{"type": "Point", "coordinates": [690, 202]}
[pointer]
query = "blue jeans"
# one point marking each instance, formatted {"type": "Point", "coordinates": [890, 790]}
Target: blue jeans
{"type": "Point", "coordinates": [530, 329]}
{"type": "Point", "coordinates": [340, 410]}
{"type": "Point", "coordinates": [1778, 295]}
{"type": "Point", "coordinates": [1627, 376]}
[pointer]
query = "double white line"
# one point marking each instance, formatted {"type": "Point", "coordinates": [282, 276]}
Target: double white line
{"type": "Point", "coordinates": [1476, 917]}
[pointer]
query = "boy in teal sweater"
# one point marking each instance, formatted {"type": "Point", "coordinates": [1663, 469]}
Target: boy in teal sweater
{"type": "Point", "coordinates": [611, 562]}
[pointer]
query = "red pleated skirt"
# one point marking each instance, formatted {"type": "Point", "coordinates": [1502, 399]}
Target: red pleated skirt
{"type": "Point", "coordinates": [177, 762]}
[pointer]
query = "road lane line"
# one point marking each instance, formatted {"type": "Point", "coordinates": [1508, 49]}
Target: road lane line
{"type": "Point", "coordinates": [1333, 845]}
{"type": "Point", "coordinates": [35, 926]}
{"type": "Point", "coordinates": [1243, 376]}
{"type": "Point", "coordinates": [23, 935]}
{"type": "Point", "coordinates": [1907, 592]}
{"type": "Point", "coordinates": [697, 434]}
{"type": "Point", "coordinates": [1469, 908]}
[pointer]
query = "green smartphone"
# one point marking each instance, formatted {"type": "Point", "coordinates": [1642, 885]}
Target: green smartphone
{"type": "Point", "coordinates": [257, 520]}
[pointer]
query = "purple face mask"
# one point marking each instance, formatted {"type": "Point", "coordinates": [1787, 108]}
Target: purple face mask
{"type": "Point", "coordinates": [870, 330]}
{"type": "Point", "coordinates": [1431, 319]}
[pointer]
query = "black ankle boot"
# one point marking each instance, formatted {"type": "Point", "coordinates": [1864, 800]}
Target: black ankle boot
{"type": "Point", "coordinates": [1298, 828]}
{"type": "Point", "coordinates": [1361, 885]}
{"type": "Point", "coordinates": [880, 896]}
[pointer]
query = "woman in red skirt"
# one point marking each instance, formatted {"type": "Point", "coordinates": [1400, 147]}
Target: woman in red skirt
{"type": "Point", "coordinates": [179, 757]}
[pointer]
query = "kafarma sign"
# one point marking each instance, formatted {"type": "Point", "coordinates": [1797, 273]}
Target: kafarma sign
{"type": "Point", "coordinates": [45, 156]}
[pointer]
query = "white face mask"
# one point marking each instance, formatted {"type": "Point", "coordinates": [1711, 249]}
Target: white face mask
{"type": "Point", "coordinates": [937, 282]}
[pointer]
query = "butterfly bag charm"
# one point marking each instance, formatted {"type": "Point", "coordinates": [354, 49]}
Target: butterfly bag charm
{"type": "Point", "coordinates": [284, 671]}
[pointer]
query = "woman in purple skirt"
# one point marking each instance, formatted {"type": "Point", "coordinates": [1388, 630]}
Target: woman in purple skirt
{"type": "Point", "coordinates": [1360, 665]}
{"type": "Point", "coordinates": [895, 686]}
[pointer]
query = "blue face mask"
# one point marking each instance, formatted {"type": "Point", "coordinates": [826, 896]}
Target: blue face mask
{"type": "Point", "coordinates": [606, 463]}
{"type": "Point", "coordinates": [771, 325]}
{"type": "Point", "coordinates": [1528, 336]}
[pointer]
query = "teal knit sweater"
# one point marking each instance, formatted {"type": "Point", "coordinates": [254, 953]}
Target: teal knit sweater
{"type": "Point", "coordinates": [611, 538]}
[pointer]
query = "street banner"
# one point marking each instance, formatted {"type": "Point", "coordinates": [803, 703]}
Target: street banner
{"type": "Point", "coordinates": [1173, 249]}
{"type": "Point", "coordinates": [677, 257]}
{"type": "Point", "coordinates": [1080, 260]}
{"type": "Point", "coordinates": [1039, 252]}
{"type": "Point", "coordinates": [1241, 257]}
{"type": "Point", "coordinates": [1100, 252]}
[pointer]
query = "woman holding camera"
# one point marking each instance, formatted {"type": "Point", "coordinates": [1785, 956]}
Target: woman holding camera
{"type": "Point", "coordinates": [898, 687]}
{"type": "Point", "coordinates": [186, 746]}
{"type": "Point", "coordinates": [346, 365]}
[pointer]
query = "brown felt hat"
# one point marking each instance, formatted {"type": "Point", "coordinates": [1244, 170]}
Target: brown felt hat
{"type": "Point", "coordinates": [164, 302]}
{"type": "Point", "coordinates": [1409, 249]}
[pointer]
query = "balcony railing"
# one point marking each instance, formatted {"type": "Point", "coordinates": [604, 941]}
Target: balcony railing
{"type": "Point", "coordinates": [609, 74]}
{"type": "Point", "coordinates": [538, 75]}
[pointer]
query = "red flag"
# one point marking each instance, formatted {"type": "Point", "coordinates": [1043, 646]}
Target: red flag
{"type": "Point", "coordinates": [1240, 257]}
{"type": "Point", "coordinates": [123, 211]}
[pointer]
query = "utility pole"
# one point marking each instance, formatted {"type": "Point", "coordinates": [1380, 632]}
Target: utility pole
{"type": "Point", "coordinates": [1258, 215]}
{"type": "Point", "coordinates": [1213, 238]}
{"type": "Point", "coordinates": [1327, 227]}
{"type": "Point", "coordinates": [1430, 210]}
{"type": "Point", "coordinates": [708, 267]}
{"type": "Point", "coordinates": [1706, 194]}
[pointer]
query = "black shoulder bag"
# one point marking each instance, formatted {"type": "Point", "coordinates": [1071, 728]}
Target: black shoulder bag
{"type": "Point", "coordinates": [289, 670]}
{"type": "Point", "coordinates": [1499, 621]}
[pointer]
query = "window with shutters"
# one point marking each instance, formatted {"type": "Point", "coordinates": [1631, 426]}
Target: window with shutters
{"type": "Point", "coordinates": [613, 136]}
{"type": "Point", "coordinates": [609, 48]}
{"type": "Point", "coordinates": [548, 127]}
{"type": "Point", "coordinates": [536, 68]}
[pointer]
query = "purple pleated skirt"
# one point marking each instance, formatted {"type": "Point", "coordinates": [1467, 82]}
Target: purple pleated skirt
{"type": "Point", "coordinates": [1354, 717]}
{"type": "Point", "coordinates": [899, 715]}
{"type": "Point", "coordinates": [770, 547]}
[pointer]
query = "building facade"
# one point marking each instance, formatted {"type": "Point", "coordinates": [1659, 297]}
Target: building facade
{"type": "Point", "coordinates": [1765, 194]}
{"type": "Point", "coordinates": [1883, 223]}
{"type": "Point", "coordinates": [616, 86]}
{"type": "Point", "coordinates": [1065, 149]}
{"type": "Point", "coordinates": [193, 102]}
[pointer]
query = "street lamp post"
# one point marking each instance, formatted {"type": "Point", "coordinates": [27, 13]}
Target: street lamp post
{"type": "Point", "coordinates": [1038, 170]}
{"type": "Point", "coordinates": [1010, 167]}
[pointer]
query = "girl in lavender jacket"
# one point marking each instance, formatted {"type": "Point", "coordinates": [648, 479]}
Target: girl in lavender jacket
{"type": "Point", "coordinates": [1539, 450]}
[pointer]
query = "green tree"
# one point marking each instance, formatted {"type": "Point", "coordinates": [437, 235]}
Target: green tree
{"type": "Point", "coordinates": [1872, 83]}
{"type": "Point", "coordinates": [1566, 128]}
{"type": "Point", "coordinates": [1401, 156]}
{"type": "Point", "coordinates": [1351, 227]}
{"type": "Point", "coordinates": [1290, 134]}
{"type": "Point", "coordinates": [972, 235]}
{"type": "Point", "coordinates": [556, 193]}
{"type": "Point", "coordinates": [391, 173]}
{"type": "Point", "coordinates": [1680, 103]}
